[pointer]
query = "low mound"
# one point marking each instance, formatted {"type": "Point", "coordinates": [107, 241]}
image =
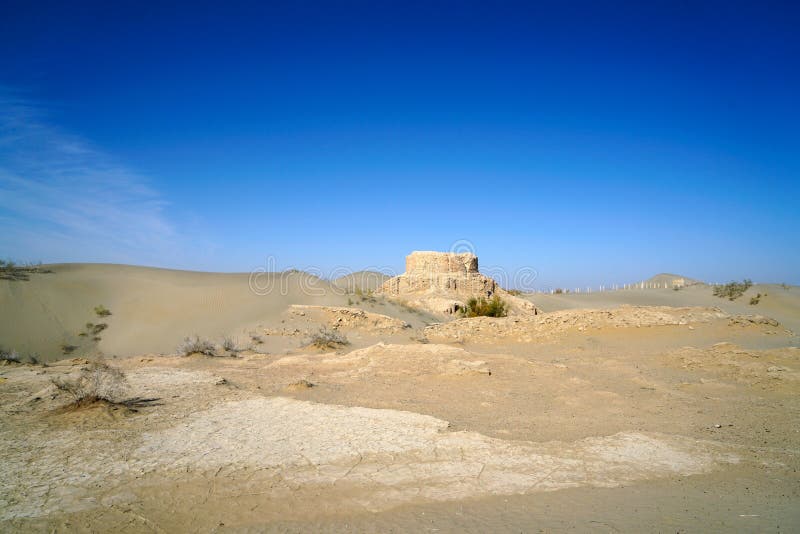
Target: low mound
{"type": "Point", "coordinates": [548, 324]}
{"type": "Point", "coordinates": [390, 360]}
{"type": "Point", "coordinates": [347, 318]}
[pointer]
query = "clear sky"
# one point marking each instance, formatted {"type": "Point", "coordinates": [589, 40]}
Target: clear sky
{"type": "Point", "coordinates": [595, 142]}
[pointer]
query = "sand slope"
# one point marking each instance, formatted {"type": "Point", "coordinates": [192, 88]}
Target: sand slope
{"type": "Point", "coordinates": [152, 309]}
{"type": "Point", "coordinates": [363, 280]}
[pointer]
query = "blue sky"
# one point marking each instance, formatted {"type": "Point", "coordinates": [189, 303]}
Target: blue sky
{"type": "Point", "coordinates": [595, 143]}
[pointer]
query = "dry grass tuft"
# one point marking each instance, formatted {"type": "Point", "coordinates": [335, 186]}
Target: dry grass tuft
{"type": "Point", "coordinates": [97, 381]}
{"type": "Point", "coordinates": [328, 339]}
{"type": "Point", "coordinates": [197, 345]}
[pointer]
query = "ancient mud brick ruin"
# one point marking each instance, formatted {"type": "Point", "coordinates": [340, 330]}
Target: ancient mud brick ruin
{"type": "Point", "coordinates": [455, 275]}
{"type": "Point", "coordinates": [441, 262]}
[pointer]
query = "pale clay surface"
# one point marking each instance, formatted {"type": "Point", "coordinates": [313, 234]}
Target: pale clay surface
{"type": "Point", "coordinates": [383, 457]}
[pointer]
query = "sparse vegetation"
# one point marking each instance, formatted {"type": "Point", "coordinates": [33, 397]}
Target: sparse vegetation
{"type": "Point", "coordinates": [732, 290]}
{"type": "Point", "coordinates": [365, 296]}
{"type": "Point", "coordinates": [785, 287]}
{"type": "Point", "coordinates": [9, 356]}
{"type": "Point", "coordinates": [326, 338]}
{"type": "Point", "coordinates": [102, 311]}
{"type": "Point", "coordinates": [10, 270]}
{"type": "Point", "coordinates": [480, 307]}
{"type": "Point", "coordinates": [229, 345]}
{"type": "Point", "coordinates": [196, 345]}
{"type": "Point", "coordinates": [96, 329]}
{"type": "Point", "coordinates": [15, 357]}
{"type": "Point", "coordinates": [97, 381]}
{"type": "Point", "coordinates": [558, 291]}
{"type": "Point", "coordinates": [67, 348]}
{"type": "Point", "coordinates": [755, 300]}
{"type": "Point", "coordinates": [514, 292]}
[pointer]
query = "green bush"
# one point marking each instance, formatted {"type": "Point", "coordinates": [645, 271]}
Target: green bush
{"type": "Point", "coordinates": [10, 270]}
{"type": "Point", "coordinates": [480, 307]}
{"type": "Point", "coordinates": [732, 290]}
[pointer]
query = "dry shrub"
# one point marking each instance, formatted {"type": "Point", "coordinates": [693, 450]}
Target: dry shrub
{"type": "Point", "coordinates": [196, 345]}
{"type": "Point", "coordinates": [97, 381]}
{"type": "Point", "coordinates": [328, 339]}
{"type": "Point", "coordinates": [229, 345]}
{"type": "Point", "coordinates": [9, 355]}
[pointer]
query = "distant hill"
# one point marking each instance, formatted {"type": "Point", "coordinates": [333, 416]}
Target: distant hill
{"type": "Point", "coordinates": [671, 280]}
{"type": "Point", "coordinates": [363, 280]}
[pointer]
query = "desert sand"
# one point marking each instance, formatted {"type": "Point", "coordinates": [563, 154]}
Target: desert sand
{"type": "Point", "coordinates": [620, 411]}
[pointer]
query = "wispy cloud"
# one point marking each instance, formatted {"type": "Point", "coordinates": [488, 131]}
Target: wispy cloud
{"type": "Point", "coordinates": [61, 199]}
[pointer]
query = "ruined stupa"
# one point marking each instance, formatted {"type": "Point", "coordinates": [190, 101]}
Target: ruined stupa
{"type": "Point", "coordinates": [442, 282]}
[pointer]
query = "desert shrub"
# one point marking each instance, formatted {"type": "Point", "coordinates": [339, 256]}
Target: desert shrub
{"type": "Point", "coordinates": [480, 307]}
{"type": "Point", "coordinates": [785, 287]}
{"type": "Point", "coordinates": [365, 296]}
{"type": "Point", "coordinates": [9, 355]}
{"type": "Point", "coordinates": [732, 290]}
{"type": "Point", "coordinates": [229, 345]}
{"type": "Point", "coordinates": [514, 292]}
{"type": "Point", "coordinates": [196, 345]}
{"type": "Point", "coordinates": [97, 381]}
{"type": "Point", "coordinates": [96, 329]}
{"type": "Point", "coordinates": [256, 339]}
{"type": "Point", "coordinates": [67, 348]}
{"type": "Point", "coordinates": [559, 291]}
{"type": "Point", "coordinates": [326, 338]}
{"type": "Point", "coordinates": [755, 300]}
{"type": "Point", "coordinates": [102, 311]}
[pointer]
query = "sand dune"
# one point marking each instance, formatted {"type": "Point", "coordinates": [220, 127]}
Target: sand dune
{"type": "Point", "coordinates": [152, 309]}
{"type": "Point", "coordinates": [363, 280]}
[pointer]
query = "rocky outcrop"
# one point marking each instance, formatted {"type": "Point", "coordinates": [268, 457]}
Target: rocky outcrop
{"type": "Point", "coordinates": [442, 282]}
